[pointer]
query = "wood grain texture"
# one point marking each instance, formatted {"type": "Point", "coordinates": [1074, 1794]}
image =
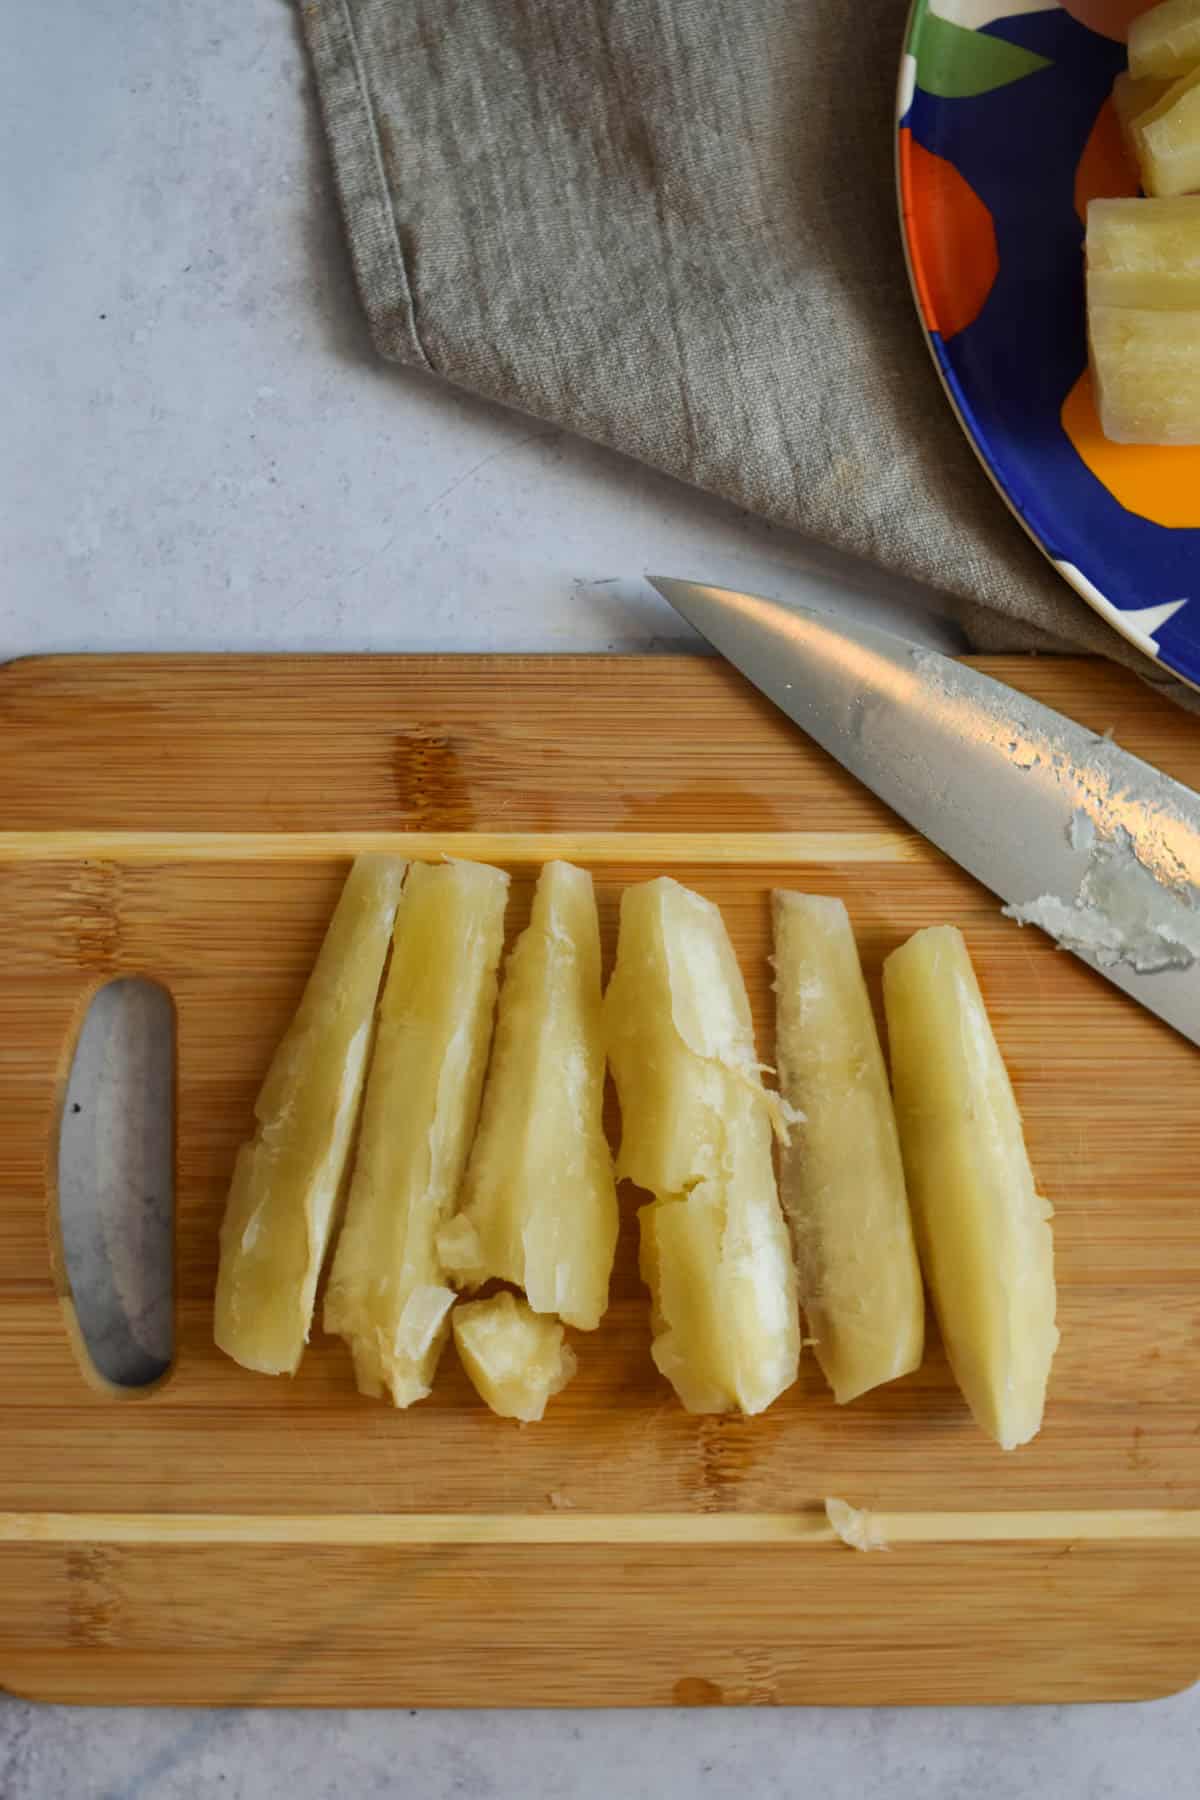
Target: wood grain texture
{"type": "Point", "coordinates": [229, 1537]}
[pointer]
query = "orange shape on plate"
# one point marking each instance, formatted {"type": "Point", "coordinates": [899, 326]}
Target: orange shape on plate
{"type": "Point", "coordinates": [951, 238]}
{"type": "Point", "coordinates": [1105, 171]}
{"type": "Point", "coordinates": [1159, 482]}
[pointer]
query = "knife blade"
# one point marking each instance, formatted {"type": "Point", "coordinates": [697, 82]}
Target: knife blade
{"type": "Point", "coordinates": [1095, 846]}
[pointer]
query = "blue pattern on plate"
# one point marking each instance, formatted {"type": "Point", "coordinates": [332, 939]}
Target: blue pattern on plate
{"type": "Point", "coordinates": [1018, 146]}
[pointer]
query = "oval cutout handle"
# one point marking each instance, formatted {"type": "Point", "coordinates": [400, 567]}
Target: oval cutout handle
{"type": "Point", "coordinates": [116, 1178]}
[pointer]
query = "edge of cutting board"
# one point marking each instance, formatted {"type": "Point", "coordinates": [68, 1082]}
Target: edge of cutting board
{"type": "Point", "coordinates": [532, 1605]}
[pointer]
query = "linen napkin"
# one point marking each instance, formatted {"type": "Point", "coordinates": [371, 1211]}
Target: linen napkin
{"type": "Point", "coordinates": [671, 225]}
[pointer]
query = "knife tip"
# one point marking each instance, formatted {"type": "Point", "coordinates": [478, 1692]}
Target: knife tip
{"type": "Point", "coordinates": [675, 592]}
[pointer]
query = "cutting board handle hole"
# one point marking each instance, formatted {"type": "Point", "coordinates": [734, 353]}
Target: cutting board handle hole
{"type": "Point", "coordinates": [116, 1180]}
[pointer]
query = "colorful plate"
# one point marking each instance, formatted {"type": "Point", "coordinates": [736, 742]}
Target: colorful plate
{"type": "Point", "coordinates": [1005, 132]}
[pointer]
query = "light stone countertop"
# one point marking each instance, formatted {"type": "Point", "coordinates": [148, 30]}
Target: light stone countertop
{"type": "Point", "coordinates": [200, 452]}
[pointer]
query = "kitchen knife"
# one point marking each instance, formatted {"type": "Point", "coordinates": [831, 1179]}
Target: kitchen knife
{"type": "Point", "coordinates": [1095, 846]}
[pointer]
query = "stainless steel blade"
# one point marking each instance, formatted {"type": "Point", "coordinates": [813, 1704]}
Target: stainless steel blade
{"type": "Point", "coordinates": [1095, 846]}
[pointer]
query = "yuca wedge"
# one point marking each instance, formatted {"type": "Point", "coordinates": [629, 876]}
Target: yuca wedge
{"type": "Point", "coordinates": [516, 1359]}
{"type": "Point", "coordinates": [1143, 295]}
{"type": "Point", "coordinates": [388, 1295]}
{"type": "Point", "coordinates": [982, 1228]}
{"type": "Point", "coordinates": [1132, 96]}
{"type": "Point", "coordinates": [1144, 254]}
{"type": "Point", "coordinates": [288, 1179]}
{"type": "Point", "coordinates": [539, 1202]}
{"type": "Point", "coordinates": [1147, 374]}
{"type": "Point", "coordinates": [696, 1132]}
{"type": "Point", "coordinates": [841, 1176]}
{"type": "Point", "coordinates": [1166, 139]}
{"type": "Point", "coordinates": [1165, 41]}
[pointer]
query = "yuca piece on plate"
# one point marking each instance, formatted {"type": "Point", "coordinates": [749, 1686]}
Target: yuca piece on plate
{"type": "Point", "coordinates": [1147, 374]}
{"type": "Point", "coordinates": [287, 1181]}
{"type": "Point", "coordinates": [1145, 253]}
{"type": "Point", "coordinates": [516, 1359]}
{"type": "Point", "coordinates": [1165, 41]}
{"type": "Point", "coordinates": [1166, 139]}
{"type": "Point", "coordinates": [696, 1132]}
{"type": "Point", "coordinates": [388, 1295]}
{"type": "Point", "coordinates": [841, 1176]}
{"type": "Point", "coordinates": [1143, 287]}
{"type": "Point", "coordinates": [982, 1228]}
{"type": "Point", "coordinates": [539, 1201]}
{"type": "Point", "coordinates": [1132, 96]}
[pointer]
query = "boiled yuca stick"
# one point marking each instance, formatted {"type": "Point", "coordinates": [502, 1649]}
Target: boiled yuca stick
{"type": "Point", "coordinates": [1165, 40]}
{"type": "Point", "coordinates": [1166, 139]}
{"type": "Point", "coordinates": [841, 1177]}
{"type": "Point", "coordinates": [287, 1180]}
{"type": "Point", "coordinates": [1133, 97]}
{"type": "Point", "coordinates": [388, 1295]}
{"type": "Point", "coordinates": [696, 1132]}
{"type": "Point", "coordinates": [516, 1359]}
{"type": "Point", "coordinates": [539, 1202]}
{"type": "Point", "coordinates": [982, 1229]}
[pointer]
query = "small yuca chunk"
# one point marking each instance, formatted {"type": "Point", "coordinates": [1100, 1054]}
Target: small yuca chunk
{"type": "Point", "coordinates": [982, 1229]}
{"type": "Point", "coordinates": [1147, 369]}
{"type": "Point", "coordinates": [1167, 139]}
{"type": "Point", "coordinates": [841, 1179]}
{"type": "Point", "coordinates": [696, 1132]}
{"type": "Point", "coordinates": [1131, 98]}
{"type": "Point", "coordinates": [288, 1178]}
{"type": "Point", "coordinates": [388, 1295]}
{"type": "Point", "coordinates": [539, 1202]}
{"type": "Point", "coordinates": [1145, 254]}
{"type": "Point", "coordinates": [1165, 42]}
{"type": "Point", "coordinates": [516, 1359]}
{"type": "Point", "coordinates": [1143, 284]}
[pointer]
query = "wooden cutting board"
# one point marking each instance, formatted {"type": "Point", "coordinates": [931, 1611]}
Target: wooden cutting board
{"type": "Point", "coordinates": [231, 1538]}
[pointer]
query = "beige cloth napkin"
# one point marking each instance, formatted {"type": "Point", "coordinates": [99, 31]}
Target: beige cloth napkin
{"type": "Point", "coordinates": [671, 226]}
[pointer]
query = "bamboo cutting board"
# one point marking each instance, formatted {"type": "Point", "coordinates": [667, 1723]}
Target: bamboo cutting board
{"type": "Point", "coordinates": [231, 1538]}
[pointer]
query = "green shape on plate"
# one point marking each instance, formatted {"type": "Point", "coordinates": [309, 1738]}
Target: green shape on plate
{"type": "Point", "coordinates": [954, 63]}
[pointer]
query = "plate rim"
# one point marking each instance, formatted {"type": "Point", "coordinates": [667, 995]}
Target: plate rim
{"type": "Point", "coordinates": [1077, 581]}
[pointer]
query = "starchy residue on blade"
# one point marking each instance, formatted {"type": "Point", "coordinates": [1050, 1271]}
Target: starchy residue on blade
{"type": "Point", "coordinates": [1121, 913]}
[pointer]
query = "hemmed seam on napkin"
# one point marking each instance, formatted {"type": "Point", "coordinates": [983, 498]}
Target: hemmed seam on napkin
{"type": "Point", "coordinates": [352, 132]}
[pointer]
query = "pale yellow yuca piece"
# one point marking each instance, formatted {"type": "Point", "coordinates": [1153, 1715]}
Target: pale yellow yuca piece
{"type": "Point", "coordinates": [516, 1359]}
{"type": "Point", "coordinates": [696, 1132]}
{"type": "Point", "coordinates": [1149, 292]}
{"type": "Point", "coordinates": [1144, 254]}
{"type": "Point", "coordinates": [1144, 237]}
{"type": "Point", "coordinates": [1146, 372]}
{"type": "Point", "coordinates": [388, 1295]}
{"type": "Point", "coordinates": [1131, 98]}
{"type": "Point", "coordinates": [539, 1201]}
{"type": "Point", "coordinates": [1143, 286]}
{"type": "Point", "coordinates": [982, 1229]}
{"type": "Point", "coordinates": [1167, 140]}
{"type": "Point", "coordinates": [841, 1177]}
{"type": "Point", "coordinates": [1165, 41]}
{"type": "Point", "coordinates": [288, 1179]}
